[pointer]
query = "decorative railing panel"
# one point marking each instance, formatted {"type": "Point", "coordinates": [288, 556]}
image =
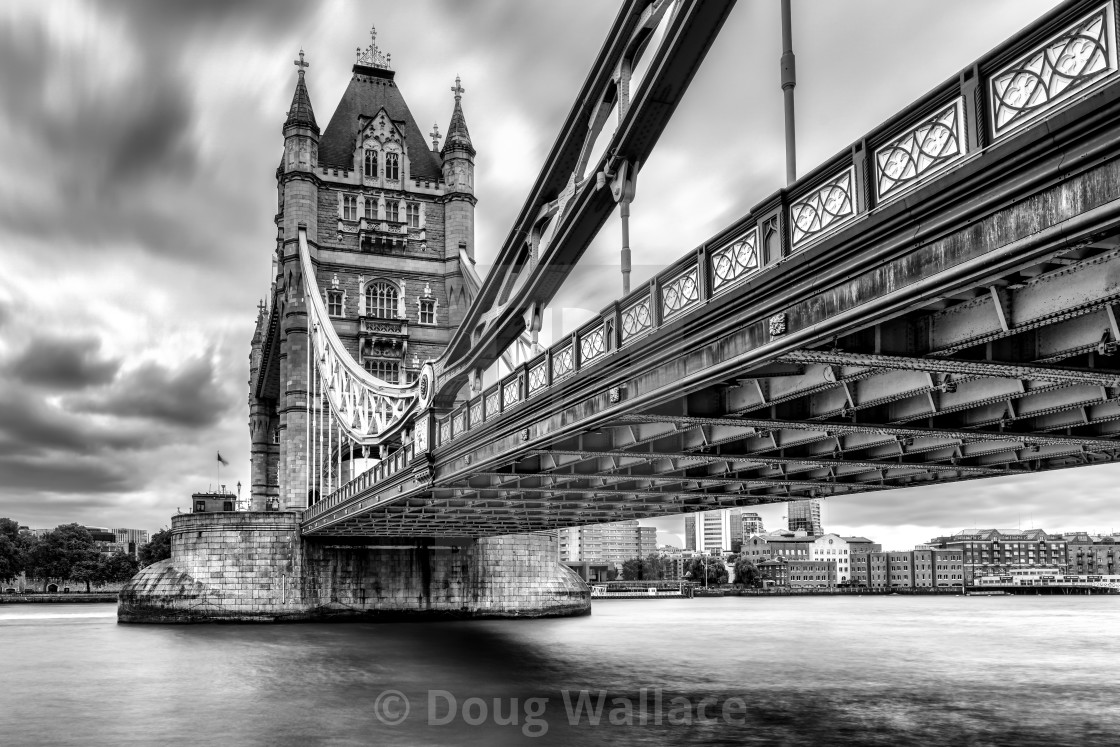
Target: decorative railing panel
{"type": "Point", "coordinates": [457, 424]}
{"type": "Point", "coordinates": [493, 404]}
{"type": "Point", "coordinates": [735, 261]}
{"type": "Point", "coordinates": [1047, 76]}
{"type": "Point", "coordinates": [680, 293]}
{"type": "Point", "coordinates": [511, 391]}
{"type": "Point", "coordinates": [636, 319]}
{"type": "Point", "coordinates": [538, 377]}
{"type": "Point", "coordinates": [823, 210]}
{"type": "Point", "coordinates": [378, 326]}
{"type": "Point", "coordinates": [444, 432]}
{"type": "Point", "coordinates": [924, 150]}
{"type": "Point", "coordinates": [563, 363]}
{"type": "Point", "coordinates": [593, 343]}
{"type": "Point", "coordinates": [476, 413]}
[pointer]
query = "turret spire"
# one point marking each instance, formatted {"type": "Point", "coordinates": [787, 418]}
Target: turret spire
{"type": "Point", "coordinates": [457, 134]}
{"type": "Point", "coordinates": [300, 114]}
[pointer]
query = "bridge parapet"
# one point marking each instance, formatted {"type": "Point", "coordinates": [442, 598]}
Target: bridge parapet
{"type": "Point", "coordinates": [1062, 59]}
{"type": "Point", "coordinates": [392, 466]}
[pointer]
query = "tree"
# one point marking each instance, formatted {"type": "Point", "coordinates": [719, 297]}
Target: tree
{"type": "Point", "coordinates": [59, 551]}
{"type": "Point", "coordinates": [118, 568]}
{"type": "Point", "coordinates": [11, 549]}
{"type": "Point", "coordinates": [632, 569]}
{"type": "Point", "coordinates": [696, 568]}
{"type": "Point", "coordinates": [746, 572]}
{"type": "Point", "coordinates": [89, 571]}
{"type": "Point", "coordinates": [650, 568]}
{"type": "Point", "coordinates": [157, 549]}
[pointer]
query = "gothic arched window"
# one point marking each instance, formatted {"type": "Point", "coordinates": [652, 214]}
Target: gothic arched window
{"type": "Point", "coordinates": [371, 164]}
{"type": "Point", "coordinates": [381, 300]}
{"type": "Point", "coordinates": [392, 166]}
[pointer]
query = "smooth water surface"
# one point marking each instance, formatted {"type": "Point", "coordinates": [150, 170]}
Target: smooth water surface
{"type": "Point", "coordinates": [875, 670]}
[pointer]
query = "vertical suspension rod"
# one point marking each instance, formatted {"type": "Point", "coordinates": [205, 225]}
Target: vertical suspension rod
{"type": "Point", "coordinates": [307, 386]}
{"type": "Point", "coordinates": [789, 81]}
{"type": "Point", "coordinates": [624, 213]}
{"type": "Point", "coordinates": [319, 431]}
{"type": "Point", "coordinates": [330, 443]}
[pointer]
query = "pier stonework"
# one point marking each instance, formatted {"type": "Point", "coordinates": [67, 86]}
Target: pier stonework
{"type": "Point", "coordinates": [255, 567]}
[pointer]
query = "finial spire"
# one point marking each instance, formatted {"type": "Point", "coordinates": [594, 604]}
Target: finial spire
{"type": "Point", "coordinates": [300, 112]}
{"type": "Point", "coordinates": [373, 56]}
{"type": "Point", "coordinates": [457, 135]}
{"type": "Point", "coordinates": [434, 135]}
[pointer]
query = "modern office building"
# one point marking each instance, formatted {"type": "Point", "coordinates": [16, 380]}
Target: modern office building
{"type": "Point", "coordinates": [805, 516]}
{"type": "Point", "coordinates": [130, 540]}
{"type": "Point", "coordinates": [713, 531]}
{"type": "Point", "coordinates": [751, 524]}
{"type": "Point", "coordinates": [612, 543]}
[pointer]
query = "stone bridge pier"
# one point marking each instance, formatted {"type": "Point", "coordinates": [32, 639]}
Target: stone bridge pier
{"type": "Point", "coordinates": [256, 567]}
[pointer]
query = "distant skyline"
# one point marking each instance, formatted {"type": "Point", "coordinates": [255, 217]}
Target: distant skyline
{"type": "Point", "coordinates": [142, 140]}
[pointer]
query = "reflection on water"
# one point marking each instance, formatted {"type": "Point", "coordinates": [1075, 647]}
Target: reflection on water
{"type": "Point", "coordinates": [812, 670]}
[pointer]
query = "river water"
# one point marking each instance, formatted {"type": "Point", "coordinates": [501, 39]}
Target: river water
{"type": "Point", "coordinates": [874, 670]}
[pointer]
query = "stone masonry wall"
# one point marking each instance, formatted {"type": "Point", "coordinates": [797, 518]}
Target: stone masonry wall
{"type": "Point", "coordinates": [254, 567]}
{"type": "Point", "coordinates": [224, 566]}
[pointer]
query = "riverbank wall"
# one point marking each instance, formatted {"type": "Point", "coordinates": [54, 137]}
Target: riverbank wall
{"type": "Point", "coordinates": [256, 567]}
{"type": "Point", "coordinates": [77, 598]}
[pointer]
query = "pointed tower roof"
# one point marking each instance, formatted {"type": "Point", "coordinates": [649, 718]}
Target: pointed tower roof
{"type": "Point", "coordinates": [457, 134]}
{"type": "Point", "coordinates": [300, 113]}
{"type": "Point", "coordinates": [372, 88]}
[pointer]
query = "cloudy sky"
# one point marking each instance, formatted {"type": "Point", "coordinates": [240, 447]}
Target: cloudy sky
{"type": "Point", "coordinates": [139, 143]}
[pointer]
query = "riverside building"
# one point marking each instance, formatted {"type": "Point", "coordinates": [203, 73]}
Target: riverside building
{"type": "Point", "coordinates": [993, 552]}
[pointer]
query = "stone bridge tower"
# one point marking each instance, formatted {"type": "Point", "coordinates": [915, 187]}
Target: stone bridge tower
{"type": "Point", "coordinates": [389, 224]}
{"type": "Point", "coordinates": [389, 218]}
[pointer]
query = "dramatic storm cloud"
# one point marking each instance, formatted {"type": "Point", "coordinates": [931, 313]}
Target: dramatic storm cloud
{"type": "Point", "coordinates": [140, 144]}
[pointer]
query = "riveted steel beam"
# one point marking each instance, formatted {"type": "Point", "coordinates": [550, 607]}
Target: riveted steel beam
{"type": "Point", "coordinates": [883, 429]}
{"type": "Point", "coordinates": [747, 461]}
{"type": "Point", "coordinates": [1019, 371]}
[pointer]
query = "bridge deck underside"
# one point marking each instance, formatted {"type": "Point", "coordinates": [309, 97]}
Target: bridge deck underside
{"type": "Point", "coordinates": [967, 332]}
{"type": "Point", "coordinates": [1012, 382]}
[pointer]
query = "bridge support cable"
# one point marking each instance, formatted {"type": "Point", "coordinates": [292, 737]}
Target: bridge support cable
{"type": "Point", "coordinates": [369, 410]}
{"type": "Point", "coordinates": [565, 192]}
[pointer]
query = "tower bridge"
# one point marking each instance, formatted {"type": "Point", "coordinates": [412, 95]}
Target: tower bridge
{"type": "Point", "coordinates": [936, 303]}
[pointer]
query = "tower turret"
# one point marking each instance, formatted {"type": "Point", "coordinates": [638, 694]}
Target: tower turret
{"type": "Point", "coordinates": [299, 200]}
{"type": "Point", "coordinates": [458, 174]}
{"type": "Point", "coordinates": [458, 177]}
{"type": "Point", "coordinates": [301, 133]}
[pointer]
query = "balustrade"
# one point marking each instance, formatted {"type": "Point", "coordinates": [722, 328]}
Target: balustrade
{"type": "Point", "coordinates": [937, 134]}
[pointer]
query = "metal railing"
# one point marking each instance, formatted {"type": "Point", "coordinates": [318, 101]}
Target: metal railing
{"type": "Point", "coordinates": [1061, 60]}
